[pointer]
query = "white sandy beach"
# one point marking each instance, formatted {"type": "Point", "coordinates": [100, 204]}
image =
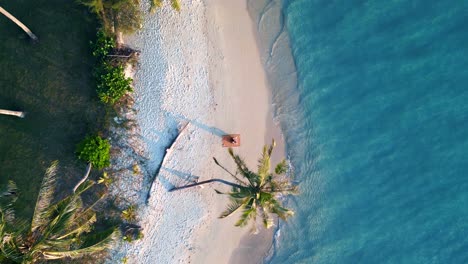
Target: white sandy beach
{"type": "Point", "coordinates": [201, 67]}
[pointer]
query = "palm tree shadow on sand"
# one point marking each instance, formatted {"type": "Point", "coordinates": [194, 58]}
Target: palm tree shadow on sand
{"type": "Point", "coordinates": [211, 129]}
{"type": "Point", "coordinates": [170, 184]}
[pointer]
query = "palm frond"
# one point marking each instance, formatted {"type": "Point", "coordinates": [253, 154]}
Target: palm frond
{"type": "Point", "coordinates": [64, 218]}
{"type": "Point", "coordinates": [230, 173]}
{"type": "Point", "coordinates": [279, 210]}
{"type": "Point", "coordinates": [101, 245]}
{"type": "Point", "coordinates": [95, 6]}
{"type": "Point", "coordinates": [44, 199]}
{"type": "Point", "coordinates": [243, 169]}
{"type": "Point", "coordinates": [81, 224]}
{"type": "Point", "coordinates": [235, 205]}
{"type": "Point", "coordinates": [281, 167]}
{"type": "Point", "coordinates": [241, 193]}
{"type": "Point", "coordinates": [264, 164]}
{"type": "Point", "coordinates": [248, 213]}
{"type": "Point", "coordinates": [282, 186]}
{"type": "Point", "coordinates": [266, 219]}
{"type": "Point", "coordinates": [10, 192]}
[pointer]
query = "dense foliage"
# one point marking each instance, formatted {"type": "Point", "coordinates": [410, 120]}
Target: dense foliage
{"type": "Point", "coordinates": [112, 83]}
{"type": "Point", "coordinates": [116, 15]}
{"type": "Point", "coordinates": [103, 46]}
{"type": "Point", "coordinates": [123, 15]}
{"type": "Point", "coordinates": [95, 150]}
{"type": "Point", "coordinates": [58, 230]}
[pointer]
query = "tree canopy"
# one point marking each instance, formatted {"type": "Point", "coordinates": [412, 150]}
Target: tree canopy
{"type": "Point", "coordinates": [58, 230]}
{"type": "Point", "coordinates": [256, 194]}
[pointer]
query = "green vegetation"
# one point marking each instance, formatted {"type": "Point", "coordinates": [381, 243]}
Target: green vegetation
{"type": "Point", "coordinates": [57, 230]}
{"type": "Point", "coordinates": [130, 214]}
{"type": "Point", "coordinates": [53, 83]}
{"type": "Point", "coordinates": [105, 179]}
{"type": "Point", "coordinates": [155, 4]}
{"type": "Point", "coordinates": [256, 194]}
{"type": "Point", "coordinates": [103, 46]}
{"type": "Point", "coordinates": [112, 84]}
{"type": "Point", "coordinates": [95, 150]}
{"type": "Point", "coordinates": [116, 15]}
{"type": "Point", "coordinates": [133, 236]}
{"type": "Point", "coordinates": [122, 15]}
{"type": "Point", "coordinates": [55, 87]}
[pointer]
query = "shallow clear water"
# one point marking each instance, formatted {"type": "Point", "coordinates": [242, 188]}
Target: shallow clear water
{"type": "Point", "coordinates": [381, 152]}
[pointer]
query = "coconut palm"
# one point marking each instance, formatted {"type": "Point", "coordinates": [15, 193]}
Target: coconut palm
{"type": "Point", "coordinates": [17, 22]}
{"type": "Point", "coordinates": [12, 113]}
{"type": "Point", "coordinates": [256, 194]}
{"type": "Point", "coordinates": [57, 230]}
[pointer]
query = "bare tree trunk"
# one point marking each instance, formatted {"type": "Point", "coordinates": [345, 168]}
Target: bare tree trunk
{"type": "Point", "coordinates": [12, 113]}
{"type": "Point", "coordinates": [88, 170]}
{"type": "Point", "coordinates": [17, 22]}
{"type": "Point", "coordinates": [205, 182]}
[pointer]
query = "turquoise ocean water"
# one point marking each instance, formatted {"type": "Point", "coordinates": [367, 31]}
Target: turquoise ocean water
{"type": "Point", "coordinates": [379, 134]}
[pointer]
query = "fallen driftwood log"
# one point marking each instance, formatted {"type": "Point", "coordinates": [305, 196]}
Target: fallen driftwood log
{"type": "Point", "coordinates": [166, 155]}
{"type": "Point", "coordinates": [17, 22]}
{"type": "Point", "coordinates": [12, 113]}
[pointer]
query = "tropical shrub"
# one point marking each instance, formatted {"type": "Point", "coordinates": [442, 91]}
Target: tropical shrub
{"type": "Point", "coordinates": [112, 84]}
{"type": "Point", "coordinates": [95, 150]}
{"type": "Point", "coordinates": [105, 179]}
{"type": "Point", "coordinates": [103, 46]}
{"type": "Point", "coordinates": [130, 214]}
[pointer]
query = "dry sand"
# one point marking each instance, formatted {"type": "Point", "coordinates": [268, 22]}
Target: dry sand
{"type": "Point", "coordinates": [201, 66]}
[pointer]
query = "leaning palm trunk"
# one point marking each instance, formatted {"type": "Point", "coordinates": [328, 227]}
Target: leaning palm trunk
{"type": "Point", "coordinates": [12, 113]}
{"type": "Point", "coordinates": [85, 177]}
{"type": "Point", "coordinates": [17, 22]}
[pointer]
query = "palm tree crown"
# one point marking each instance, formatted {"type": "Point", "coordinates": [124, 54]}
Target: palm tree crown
{"type": "Point", "coordinates": [57, 230]}
{"type": "Point", "coordinates": [256, 194]}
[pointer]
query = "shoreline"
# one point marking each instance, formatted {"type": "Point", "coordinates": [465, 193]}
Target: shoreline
{"type": "Point", "coordinates": [193, 70]}
{"type": "Point", "coordinates": [242, 86]}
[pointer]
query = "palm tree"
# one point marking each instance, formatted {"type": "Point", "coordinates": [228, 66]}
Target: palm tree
{"type": "Point", "coordinates": [17, 22]}
{"type": "Point", "coordinates": [12, 113]}
{"type": "Point", "coordinates": [57, 230]}
{"type": "Point", "coordinates": [256, 194]}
